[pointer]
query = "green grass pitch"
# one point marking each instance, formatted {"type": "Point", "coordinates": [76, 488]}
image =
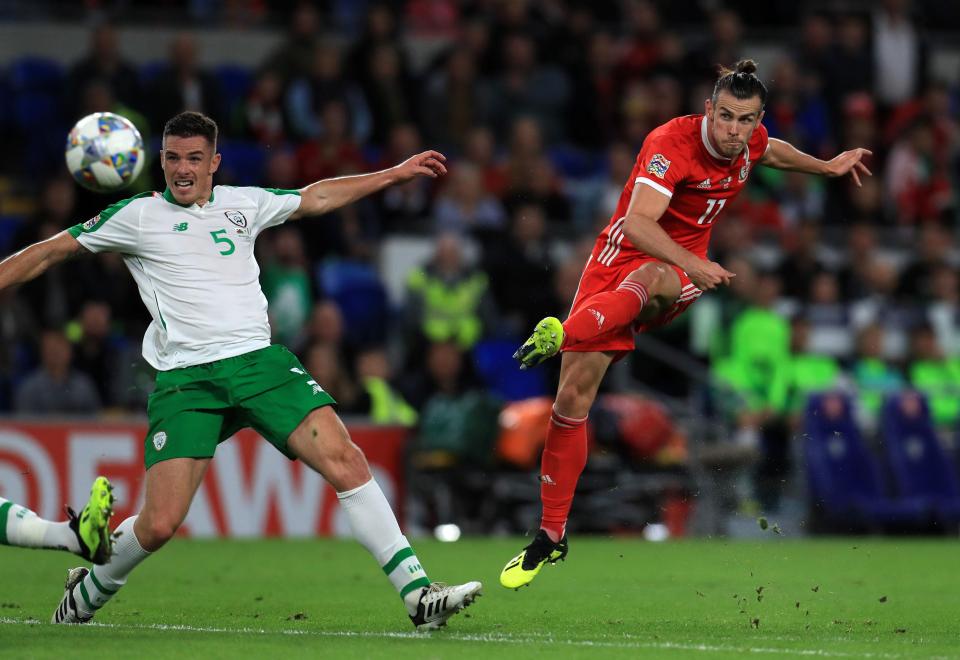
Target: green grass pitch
{"type": "Point", "coordinates": [625, 598]}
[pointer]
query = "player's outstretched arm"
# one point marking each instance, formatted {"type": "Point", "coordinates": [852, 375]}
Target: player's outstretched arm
{"type": "Point", "coordinates": [784, 156]}
{"type": "Point", "coordinates": [642, 227]}
{"type": "Point", "coordinates": [330, 194]}
{"type": "Point", "coordinates": [33, 260]}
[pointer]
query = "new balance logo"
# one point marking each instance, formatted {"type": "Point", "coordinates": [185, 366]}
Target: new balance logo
{"type": "Point", "coordinates": [704, 184]}
{"type": "Point", "coordinates": [181, 227]}
{"type": "Point", "coordinates": [547, 479]}
{"type": "Point", "coordinates": [597, 315]}
{"type": "Point", "coordinates": [298, 370]}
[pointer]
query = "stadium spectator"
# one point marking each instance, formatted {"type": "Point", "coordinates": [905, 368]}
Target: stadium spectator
{"type": "Point", "coordinates": [943, 312]}
{"type": "Point", "coordinates": [542, 186]}
{"type": "Point", "coordinates": [527, 88]}
{"type": "Point", "coordinates": [295, 55]}
{"type": "Point", "coordinates": [325, 82]}
{"type": "Point", "coordinates": [802, 261]}
{"type": "Point", "coordinates": [333, 152]}
{"type": "Point", "coordinates": [103, 63]}
{"type": "Point", "coordinates": [448, 300]}
{"type": "Point", "coordinates": [874, 377]}
{"type": "Point", "coordinates": [481, 151]}
{"type": "Point", "coordinates": [183, 85]}
{"type": "Point", "coordinates": [850, 65]}
{"type": "Point", "coordinates": [326, 366]}
{"type": "Point", "coordinates": [286, 282]}
{"type": "Point", "coordinates": [55, 386]}
{"type": "Point", "coordinates": [932, 253]}
{"type": "Point", "coordinates": [99, 353]}
{"type": "Point", "coordinates": [899, 53]}
{"type": "Point", "coordinates": [406, 206]}
{"type": "Point", "coordinates": [464, 207]}
{"type": "Point", "coordinates": [389, 92]}
{"type": "Point", "coordinates": [455, 101]}
{"type": "Point", "coordinates": [384, 404]}
{"type": "Point", "coordinates": [261, 117]}
{"type": "Point", "coordinates": [936, 376]}
{"type": "Point", "coordinates": [918, 189]}
{"type": "Point", "coordinates": [593, 112]}
{"type": "Point", "coordinates": [521, 270]}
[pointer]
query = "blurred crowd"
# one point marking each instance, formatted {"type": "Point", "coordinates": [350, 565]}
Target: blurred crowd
{"type": "Point", "coordinates": [541, 108]}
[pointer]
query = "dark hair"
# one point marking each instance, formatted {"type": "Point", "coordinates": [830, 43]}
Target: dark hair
{"type": "Point", "coordinates": [191, 124]}
{"type": "Point", "coordinates": [741, 81]}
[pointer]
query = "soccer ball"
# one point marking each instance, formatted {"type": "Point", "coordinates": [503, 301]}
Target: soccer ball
{"type": "Point", "coordinates": [104, 152]}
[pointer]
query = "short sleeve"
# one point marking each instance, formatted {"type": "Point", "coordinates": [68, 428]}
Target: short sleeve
{"type": "Point", "coordinates": [274, 206]}
{"type": "Point", "coordinates": [115, 229]}
{"type": "Point", "coordinates": [661, 165]}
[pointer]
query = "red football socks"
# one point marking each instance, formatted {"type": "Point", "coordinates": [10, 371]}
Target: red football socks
{"type": "Point", "coordinates": [564, 457]}
{"type": "Point", "coordinates": [605, 312]}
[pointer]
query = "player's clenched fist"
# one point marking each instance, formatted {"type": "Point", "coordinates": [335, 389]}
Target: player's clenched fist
{"type": "Point", "coordinates": [708, 275]}
{"type": "Point", "coordinates": [428, 163]}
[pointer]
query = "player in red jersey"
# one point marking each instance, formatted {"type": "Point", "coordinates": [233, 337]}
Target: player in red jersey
{"type": "Point", "coordinates": [648, 265]}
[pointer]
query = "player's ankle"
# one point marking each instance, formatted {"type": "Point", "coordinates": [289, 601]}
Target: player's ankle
{"type": "Point", "coordinates": [553, 533]}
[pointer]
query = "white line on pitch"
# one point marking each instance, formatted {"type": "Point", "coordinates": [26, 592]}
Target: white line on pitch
{"type": "Point", "coordinates": [494, 638]}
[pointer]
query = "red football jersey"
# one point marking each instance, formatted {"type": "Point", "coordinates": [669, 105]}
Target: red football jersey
{"type": "Point", "coordinates": [678, 160]}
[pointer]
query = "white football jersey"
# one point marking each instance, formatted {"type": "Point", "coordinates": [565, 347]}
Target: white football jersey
{"type": "Point", "coordinates": [194, 267]}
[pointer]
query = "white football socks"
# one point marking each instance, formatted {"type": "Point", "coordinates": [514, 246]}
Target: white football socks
{"type": "Point", "coordinates": [21, 527]}
{"type": "Point", "coordinates": [376, 528]}
{"type": "Point", "coordinates": [102, 582]}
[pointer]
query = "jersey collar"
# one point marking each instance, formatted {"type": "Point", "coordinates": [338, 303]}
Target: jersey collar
{"type": "Point", "coordinates": [168, 195]}
{"type": "Point", "coordinates": [706, 141]}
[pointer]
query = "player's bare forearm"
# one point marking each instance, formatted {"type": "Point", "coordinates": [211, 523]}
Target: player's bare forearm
{"type": "Point", "coordinates": [34, 260]}
{"type": "Point", "coordinates": [330, 194]}
{"type": "Point", "coordinates": [646, 234]}
{"type": "Point", "coordinates": [784, 156]}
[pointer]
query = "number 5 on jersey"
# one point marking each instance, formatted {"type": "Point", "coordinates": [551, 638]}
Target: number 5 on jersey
{"type": "Point", "coordinates": [228, 243]}
{"type": "Point", "coordinates": [711, 214]}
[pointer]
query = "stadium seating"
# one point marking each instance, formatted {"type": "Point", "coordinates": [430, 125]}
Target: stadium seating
{"type": "Point", "coordinates": [495, 364]}
{"type": "Point", "coordinates": [844, 477]}
{"type": "Point", "coordinates": [242, 163]}
{"type": "Point", "coordinates": [920, 466]}
{"type": "Point", "coordinates": [235, 83]}
{"type": "Point", "coordinates": [357, 290]}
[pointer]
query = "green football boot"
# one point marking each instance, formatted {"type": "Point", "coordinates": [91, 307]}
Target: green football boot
{"type": "Point", "coordinates": [92, 526]}
{"type": "Point", "coordinates": [521, 570]}
{"type": "Point", "coordinates": [545, 342]}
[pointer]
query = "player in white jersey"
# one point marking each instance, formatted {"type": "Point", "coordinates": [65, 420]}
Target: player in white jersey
{"type": "Point", "coordinates": [190, 250]}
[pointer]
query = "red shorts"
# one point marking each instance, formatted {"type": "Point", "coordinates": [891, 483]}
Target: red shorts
{"type": "Point", "coordinates": [598, 278]}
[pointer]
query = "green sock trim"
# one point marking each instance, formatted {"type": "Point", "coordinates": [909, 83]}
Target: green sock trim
{"type": "Point", "coordinates": [4, 511]}
{"type": "Point", "coordinates": [99, 586]}
{"type": "Point", "coordinates": [419, 583]}
{"type": "Point", "coordinates": [86, 598]}
{"type": "Point", "coordinates": [397, 558]}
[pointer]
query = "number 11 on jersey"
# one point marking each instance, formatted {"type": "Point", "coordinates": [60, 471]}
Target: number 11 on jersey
{"type": "Point", "coordinates": [710, 214]}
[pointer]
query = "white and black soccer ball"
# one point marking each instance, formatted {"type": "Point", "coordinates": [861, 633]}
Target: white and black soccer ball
{"type": "Point", "coordinates": [104, 152]}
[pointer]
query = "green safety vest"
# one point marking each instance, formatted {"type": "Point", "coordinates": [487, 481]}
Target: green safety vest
{"type": "Point", "coordinates": [875, 379]}
{"type": "Point", "coordinates": [451, 309]}
{"type": "Point", "coordinates": [810, 373]}
{"type": "Point", "coordinates": [386, 406]}
{"type": "Point", "coordinates": [939, 380]}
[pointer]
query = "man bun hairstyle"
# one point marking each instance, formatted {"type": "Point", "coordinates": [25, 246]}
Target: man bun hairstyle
{"type": "Point", "coordinates": [192, 124]}
{"type": "Point", "coordinates": [741, 81]}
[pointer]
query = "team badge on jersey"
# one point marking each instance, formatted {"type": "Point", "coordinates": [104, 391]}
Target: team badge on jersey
{"type": "Point", "coordinates": [236, 218]}
{"type": "Point", "coordinates": [159, 440]}
{"type": "Point", "coordinates": [658, 166]}
{"type": "Point", "coordinates": [725, 183]}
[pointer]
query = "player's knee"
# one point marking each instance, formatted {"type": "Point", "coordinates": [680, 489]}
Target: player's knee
{"type": "Point", "coordinates": [574, 400]}
{"type": "Point", "coordinates": [156, 531]}
{"type": "Point", "coordinates": [652, 275]}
